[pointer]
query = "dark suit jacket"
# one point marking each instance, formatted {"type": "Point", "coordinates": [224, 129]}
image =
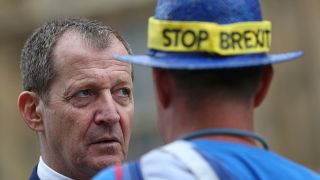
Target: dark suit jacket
{"type": "Point", "coordinates": [34, 175]}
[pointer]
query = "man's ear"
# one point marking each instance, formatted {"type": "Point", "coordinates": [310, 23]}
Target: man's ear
{"type": "Point", "coordinates": [28, 103]}
{"type": "Point", "coordinates": [162, 86]}
{"type": "Point", "coordinates": [264, 85]}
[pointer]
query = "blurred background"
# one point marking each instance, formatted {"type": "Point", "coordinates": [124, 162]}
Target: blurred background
{"type": "Point", "coordinates": [289, 118]}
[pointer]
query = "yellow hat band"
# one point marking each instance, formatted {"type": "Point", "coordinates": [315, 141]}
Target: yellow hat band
{"type": "Point", "coordinates": [194, 36]}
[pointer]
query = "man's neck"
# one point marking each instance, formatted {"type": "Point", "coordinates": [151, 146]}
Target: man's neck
{"type": "Point", "coordinates": [45, 172]}
{"type": "Point", "coordinates": [227, 115]}
{"type": "Point", "coordinates": [231, 138]}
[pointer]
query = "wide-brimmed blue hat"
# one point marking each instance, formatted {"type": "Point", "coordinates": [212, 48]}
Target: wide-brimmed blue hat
{"type": "Point", "coordinates": [208, 34]}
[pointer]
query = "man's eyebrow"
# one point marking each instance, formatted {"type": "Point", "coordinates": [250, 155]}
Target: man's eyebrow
{"type": "Point", "coordinates": [69, 87]}
{"type": "Point", "coordinates": [67, 91]}
{"type": "Point", "coordinates": [127, 79]}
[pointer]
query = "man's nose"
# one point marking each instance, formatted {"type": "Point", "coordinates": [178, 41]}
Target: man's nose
{"type": "Point", "coordinates": [107, 109]}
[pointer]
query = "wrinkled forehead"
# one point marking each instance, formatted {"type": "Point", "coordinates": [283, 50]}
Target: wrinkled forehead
{"type": "Point", "coordinates": [74, 51]}
{"type": "Point", "coordinates": [73, 44]}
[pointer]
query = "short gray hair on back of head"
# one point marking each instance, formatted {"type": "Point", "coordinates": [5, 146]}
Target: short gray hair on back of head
{"type": "Point", "coordinates": [36, 63]}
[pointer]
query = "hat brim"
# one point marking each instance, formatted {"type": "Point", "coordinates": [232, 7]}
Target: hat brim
{"type": "Point", "coordinates": [208, 62]}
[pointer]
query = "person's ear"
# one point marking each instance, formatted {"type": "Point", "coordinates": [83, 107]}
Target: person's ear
{"type": "Point", "coordinates": [264, 85]}
{"type": "Point", "coordinates": [162, 86]}
{"type": "Point", "coordinates": [28, 103]}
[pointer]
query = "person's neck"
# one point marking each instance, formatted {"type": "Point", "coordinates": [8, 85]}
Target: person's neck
{"type": "Point", "coordinates": [225, 114]}
{"type": "Point", "coordinates": [230, 138]}
{"type": "Point", "coordinates": [52, 160]}
{"type": "Point", "coordinates": [46, 172]}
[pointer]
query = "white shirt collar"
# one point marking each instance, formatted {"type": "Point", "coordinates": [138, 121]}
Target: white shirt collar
{"type": "Point", "coordinates": [47, 173]}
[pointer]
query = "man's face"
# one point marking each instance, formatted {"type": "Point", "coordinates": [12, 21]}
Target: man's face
{"type": "Point", "coordinates": [90, 109]}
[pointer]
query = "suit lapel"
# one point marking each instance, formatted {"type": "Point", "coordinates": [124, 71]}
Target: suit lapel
{"type": "Point", "coordinates": [34, 175]}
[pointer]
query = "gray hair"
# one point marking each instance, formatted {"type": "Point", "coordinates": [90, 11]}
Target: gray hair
{"type": "Point", "coordinates": [36, 57]}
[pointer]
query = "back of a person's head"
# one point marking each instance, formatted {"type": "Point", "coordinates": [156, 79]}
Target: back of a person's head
{"type": "Point", "coordinates": [235, 83]}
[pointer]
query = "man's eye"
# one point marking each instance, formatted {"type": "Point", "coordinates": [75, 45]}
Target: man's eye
{"type": "Point", "coordinates": [84, 93]}
{"type": "Point", "coordinates": [82, 98]}
{"type": "Point", "coordinates": [124, 92]}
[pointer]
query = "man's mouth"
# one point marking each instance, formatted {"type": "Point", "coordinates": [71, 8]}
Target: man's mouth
{"type": "Point", "coordinates": [106, 140]}
{"type": "Point", "coordinates": [106, 145]}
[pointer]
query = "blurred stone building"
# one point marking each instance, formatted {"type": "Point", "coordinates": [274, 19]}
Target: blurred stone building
{"type": "Point", "coordinates": [289, 118]}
